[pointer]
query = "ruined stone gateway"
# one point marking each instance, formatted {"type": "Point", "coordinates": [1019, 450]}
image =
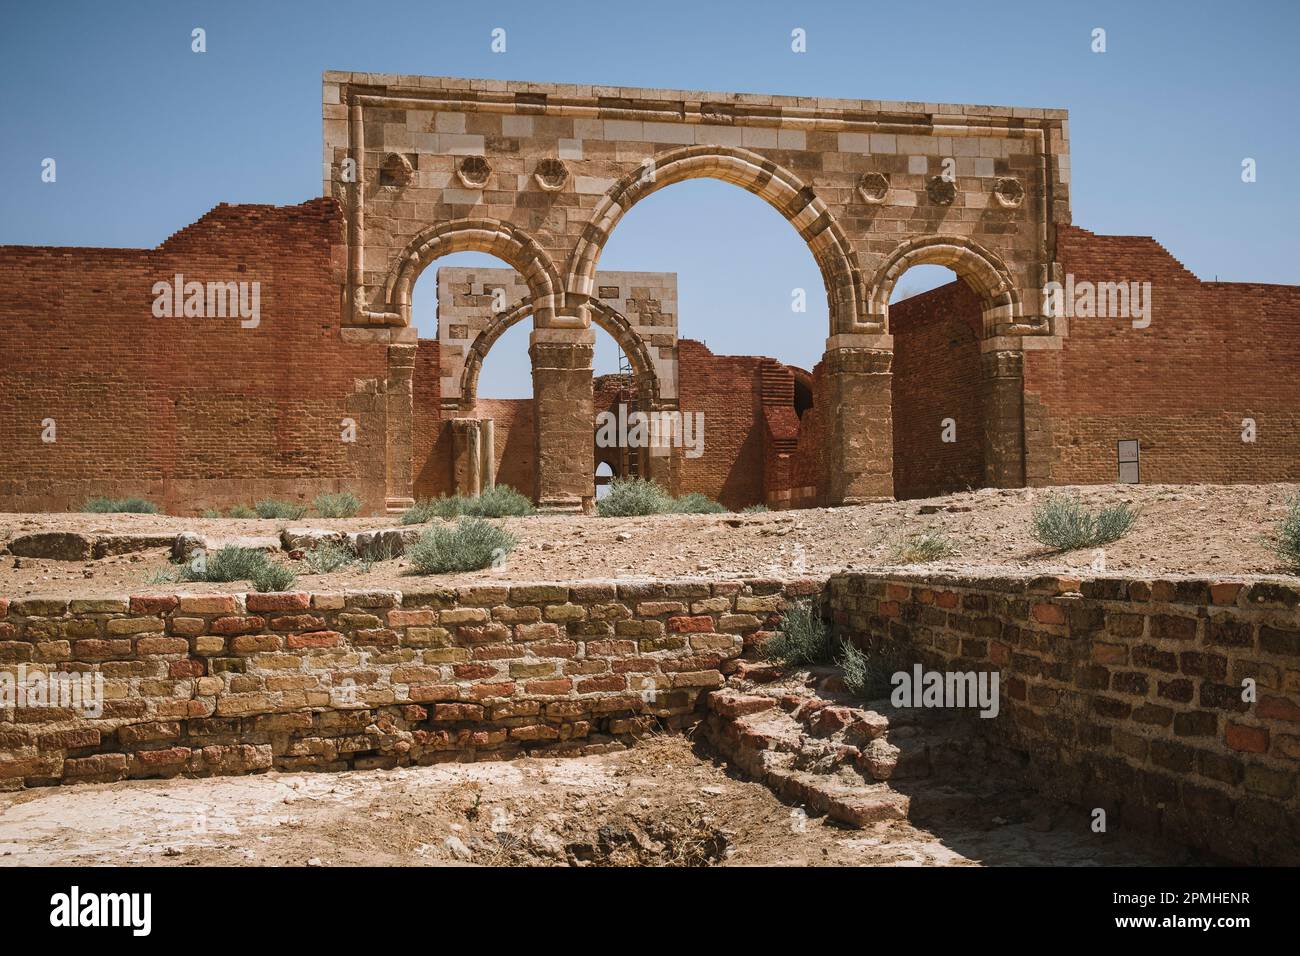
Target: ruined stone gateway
{"type": "Point", "coordinates": [269, 352]}
{"type": "Point", "coordinates": [330, 388]}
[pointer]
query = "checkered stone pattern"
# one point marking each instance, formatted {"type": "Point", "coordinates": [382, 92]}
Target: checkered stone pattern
{"type": "Point", "coordinates": [1008, 169]}
{"type": "Point", "coordinates": [476, 306]}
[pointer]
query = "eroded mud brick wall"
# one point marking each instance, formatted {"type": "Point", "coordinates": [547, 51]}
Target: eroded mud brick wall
{"type": "Point", "coordinates": [190, 412]}
{"type": "Point", "coordinates": [206, 684]}
{"type": "Point", "coordinates": [1124, 694]}
{"type": "Point", "coordinates": [725, 389]}
{"type": "Point", "coordinates": [1213, 355]}
{"type": "Point", "coordinates": [937, 377]}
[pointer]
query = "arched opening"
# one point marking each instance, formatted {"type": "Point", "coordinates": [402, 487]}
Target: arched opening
{"type": "Point", "coordinates": [751, 318]}
{"type": "Point", "coordinates": [785, 192]}
{"type": "Point", "coordinates": [484, 325]}
{"type": "Point", "coordinates": [938, 424]}
{"type": "Point", "coordinates": [464, 448]}
{"type": "Point", "coordinates": [604, 475]}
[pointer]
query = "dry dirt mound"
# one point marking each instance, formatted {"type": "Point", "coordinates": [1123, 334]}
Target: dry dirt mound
{"type": "Point", "coordinates": [1202, 529]}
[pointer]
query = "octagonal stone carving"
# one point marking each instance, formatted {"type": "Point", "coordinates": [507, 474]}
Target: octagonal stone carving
{"type": "Point", "coordinates": [941, 191]}
{"type": "Point", "coordinates": [473, 172]}
{"type": "Point", "coordinates": [873, 188]}
{"type": "Point", "coordinates": [396, 171]}
{"type": "Point", "coordinates": [1009, 192]}
{"type": "Point", "coordinates": [551, 174]}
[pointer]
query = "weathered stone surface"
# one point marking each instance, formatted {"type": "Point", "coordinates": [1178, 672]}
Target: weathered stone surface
{"type": "Point", "coordinates": [54, 545]}
{"type": "Point", "coordinates": [187, 544]}
{"type": "Point", "coordinates": [383, 542]}
{"type": "Point", "coordinates": [304, 539]}
{"type": "Point", "coordinates": [107, 545]}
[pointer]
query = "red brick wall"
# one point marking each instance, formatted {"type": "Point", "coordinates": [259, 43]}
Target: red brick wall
{"type": "Point", "coordinates": [1123, 693]}
{"type": "Point", "coordinates": [513, 440]}
{"type": "Point", "coordinates": [189, 412]}
{"type": "Point", "coordinates": [431, 446]}
{"type": "Point", "coordinates": [808, 469]}
{"type": "Point", "coordinates": [937, 376]}
{"type": "Point", "coordinates": [1214, 353]}
{"type": "Point", "coordinates": [725, 389]}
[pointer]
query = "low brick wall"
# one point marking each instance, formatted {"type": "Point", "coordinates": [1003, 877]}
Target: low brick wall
{"type": "Point", "coordinates": [1125, 694]}
{"type": "Point", "coordinates": [211, 684]}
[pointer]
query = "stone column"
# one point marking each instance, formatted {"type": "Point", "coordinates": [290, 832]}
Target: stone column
{"type": "Point", "coordinates": [565, 417]}
{"type": "Point", "coordinates": [466, 456]}
{"type": "Point", "coordinates": [1002, 394]}
{"type": "Point", "coordinates": [859, 451]}
{"type": "Point", "coordinates": [487, 454]}
{"type": "Point", "coordinates": [397, 444]}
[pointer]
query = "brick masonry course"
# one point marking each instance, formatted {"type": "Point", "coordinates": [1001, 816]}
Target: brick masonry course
{"type": "Point", "coordinates": [228, 684]}
{"type": "Point", "coordinates": [1125, 694]}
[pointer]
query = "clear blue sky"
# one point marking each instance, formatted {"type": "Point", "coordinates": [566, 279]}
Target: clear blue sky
{"type": "Point", "coordinates": [148, 135]}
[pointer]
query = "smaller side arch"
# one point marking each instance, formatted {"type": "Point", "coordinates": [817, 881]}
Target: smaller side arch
{"type": "Point", "coordinates": [608, 318]}
{"type": "Point", "coordinates": [503, 240]}
{"type": "Point", "coordinates": [986, 273]}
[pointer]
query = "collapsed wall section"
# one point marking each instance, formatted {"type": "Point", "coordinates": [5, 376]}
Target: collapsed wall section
{"type": "Point", "coordinates": [1183, 380]}
{"type": "Point", "coordinates": [105, 397]}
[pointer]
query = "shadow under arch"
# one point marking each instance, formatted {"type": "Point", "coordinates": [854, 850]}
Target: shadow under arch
{"type": "Point", "coordinates": [607, 318]}
{"type": "Point", "coordinates": [983, 270]}
{"type": "Point", "coordinates": [779, 187]}
{"type": "Point", "coordinates": [993, 368]}
{"type": "Point", "coordinates": [501, 239]}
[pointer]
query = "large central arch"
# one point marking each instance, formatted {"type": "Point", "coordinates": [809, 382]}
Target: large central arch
{"type": "Point", "coordinates": [780, 188]}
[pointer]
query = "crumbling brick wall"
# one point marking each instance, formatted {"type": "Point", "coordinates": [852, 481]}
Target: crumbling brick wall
{"type": "Point", "coordinates": [431, 444]}
{"type": "Point", "coordinates": [1126, 694]}
{"type": "Point", "coordinates": [1213, 355]}
{"type": "Point", "coordinates": [234, 683]}
{"type": "Point", "coordinates": [190, 412]}
{"type": "Point", "coordinates": [725, 389]}
{"type": "Point", "coordinates": [937, 377]}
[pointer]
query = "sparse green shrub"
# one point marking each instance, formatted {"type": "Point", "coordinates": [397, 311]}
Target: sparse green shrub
{"type": "Point", "coordinates": [854, 668]}
{"type": "Point", "coordinates": [754, 509]}
{"type": "Point", "coordinates": [344, 504]}
{"type": "Point", "coordinates": [235, 511]}
{"type": "Point", "coordinates": [631, 497]}
{"type": "Point", "coordinates": [1063, 524]}
{"type": "Point", "coordinates": [270, 508]}
{"type": "Point", "coordinates": [273, 577]}
{"type": "Point", "coordinates": [231, 563]}
{"type": "Point", "coordinates": [1286, 536]}
{"type": "Point", "coordinates": [468, 545]}
{"type": "Point", "coordinates": [101, 505]}
{"type": "Point", "coordinates": [420, 512]}
{"type": "Point", "coordinates": [499, 501]}
{"type": "Point", "coordinates": [928, 545]}
{"type": "Point", "coordinates": [802, 638]}
{"type": "Point", "coordinates": [328, 557]}
{"type": "Point", "coordinates": [696, 503]}
{"type": "Point", "coordinates": [869, 673]}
